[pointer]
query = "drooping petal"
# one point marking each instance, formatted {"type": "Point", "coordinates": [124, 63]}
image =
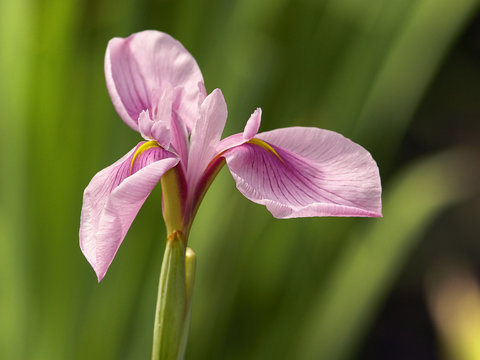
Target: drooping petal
{"type": "Point", "coordinates": [300, 172]}
{"type": "Point", "coordinates": [113, 198]}
{"type": "Point", "coordinates": [206, 135]}
{"type": "Point", "coordinates": [138, 68]}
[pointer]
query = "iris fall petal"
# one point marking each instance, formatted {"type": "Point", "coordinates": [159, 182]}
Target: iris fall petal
{"type": "Point", "coordinates": [300, 172]}
{"type": "Point", "coordinates": [113, 198]}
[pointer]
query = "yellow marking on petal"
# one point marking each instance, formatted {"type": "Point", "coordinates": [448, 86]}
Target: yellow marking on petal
{"type": "Point", "coordinates": [142, 148]}
{"type": "Point", "coordinates": [266, 146]}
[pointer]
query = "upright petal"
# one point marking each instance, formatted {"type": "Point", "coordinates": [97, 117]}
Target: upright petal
{"type": "Point", "coordinates": [154, 130]}
{"type": "Point", "coordinates": [113, 198]}
{"type": "Point", "coordinates": [253, 124]}
{"type": "Point", "coordinates": [140, 66]}
{"type": "Point", "coordinates": [300, 172]}
{"type": "Point", "coordinates": [206, 135]}
{"type": "Point", "coordinates": [179, 139]}
{"type": "Point", "coordinates": [251, 129]}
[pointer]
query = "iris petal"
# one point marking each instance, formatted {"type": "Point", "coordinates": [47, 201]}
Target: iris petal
{"type": "Point", "coordinates": [140, 67]}
{"type": "Point", "coordinates": [113, 198]}
{"type": "Point", "coordinates": [311, 172]}
{"type": "Point", "coordinates": [253, 124]}
{"type": "Point", "coordinates": [206, 135]}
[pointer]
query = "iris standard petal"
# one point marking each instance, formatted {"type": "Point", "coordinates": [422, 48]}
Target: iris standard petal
{"type": "Point", "coordinates": [206, 135]}
{"type": "Point", "coordinates": [113, 198]}
{"type": "Point", "coordinates": [300, 172]}
{"type": "Point", "coordinates": [138, 68]}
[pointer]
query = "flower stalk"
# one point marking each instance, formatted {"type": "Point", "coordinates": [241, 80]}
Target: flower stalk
{"type": "Point", "coordinates": [172, 316]}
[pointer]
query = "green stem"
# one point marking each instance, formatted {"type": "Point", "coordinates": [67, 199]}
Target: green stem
{"type": "Point", "coordinates": [172, 317]}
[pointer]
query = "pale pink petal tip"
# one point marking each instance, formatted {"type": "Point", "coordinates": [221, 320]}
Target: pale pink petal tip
{"type": "Point", "coordinates": [303, 172]}
{"type": "Point", "coordinates": [112, 200]}
{"type": "Point", "coordinates": [253, 124]}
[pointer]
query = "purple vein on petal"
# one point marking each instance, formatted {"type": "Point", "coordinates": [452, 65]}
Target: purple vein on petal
{"type": "Point", "coordinates": [125, 82]}
{"type": "Point", "coordinates": [112, 200]}
{"type": "Point", "coordinates": [306, 172]}
{"type": "Point", "coordinates": [144, 64]}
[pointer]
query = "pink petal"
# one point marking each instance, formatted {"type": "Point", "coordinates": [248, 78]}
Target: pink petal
{"type": "Point", "coordinates": [253, 124]}
{"type": "Point", "coordinates": [251, 129]}
{"type": "Point", "coordinates": [316, 173]}
{"type": "Point", "coordinates": [179, 139]}
{"type": "Point", "coordinates": [206, 135]}
{"type": "Point", "coordinates": [164, 125]}
{"type": "Point", "coordinates": [162, 116]}
{"type": "Point", "coordinates": [138, 68]}
{"type": "Point", "coordinates": [230, 142]}
{"type": "Point", "coordinates": [154, 130]}
{"type": "Point", "coordinates": [113, 198]}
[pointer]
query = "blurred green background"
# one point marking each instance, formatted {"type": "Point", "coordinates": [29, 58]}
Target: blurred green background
{"type": "Point", "coordinates": [400, 77]}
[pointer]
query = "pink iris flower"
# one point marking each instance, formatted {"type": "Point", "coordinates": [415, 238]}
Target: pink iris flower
{"type": "Point", "coordinates": [157, 89]}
